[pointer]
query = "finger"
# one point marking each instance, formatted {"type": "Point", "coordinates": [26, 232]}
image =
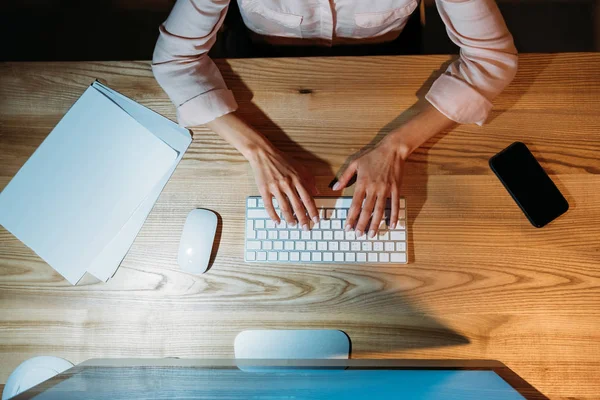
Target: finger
{"type": "Point", "coordinates": [345, 177]}
{"type": "Point", "coordinates": [268, 201]}
{"type": "Point", "coordinates": [354, 211]}
{"type": "Point", "coordinates": [365, 214]}
{"type": "Point", "coordinates": [309, 203]}
{"type": "Point", "coordinates": [298, 207]}
{"type": "Point", "coordinates": [377, 214]}
{"type": "Point", "coordinates": [395, 207]}
{"type": "Point", "coordinates": [284, 206]}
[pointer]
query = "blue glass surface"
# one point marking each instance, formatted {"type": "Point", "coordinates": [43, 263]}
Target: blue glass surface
{"type": "Point", "coordinates": [190, 383]}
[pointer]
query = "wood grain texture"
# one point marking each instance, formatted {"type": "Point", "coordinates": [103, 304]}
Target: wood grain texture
{"type": "Point", "coordinates": [482, 283]}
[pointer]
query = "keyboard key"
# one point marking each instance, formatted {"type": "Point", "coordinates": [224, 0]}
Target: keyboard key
{"type": "Point", "coordinates": [289, 245]}
{"type": "Point", "coordinates": [321, 246]}
{"type": "Point", "coordinates": [261, 256]}
{"type": "Point", "coordinates": [321, 213]}
{"type": "Point", "coordinates": [272, 256]}
{"type": "Point", "coordinates": [398, 257]}
{"type": "Point", "coordinates": [350, 235]}
{"type": "Point", "coordinates": [355, 246]}
{"type": "Point", "coordinates": [294, 256]}
{"type": "Point", "coordinates": [367, 246]}
{"type": "Point", "coordinates": [304, 256]}
{"type": "Point", "coordinates": [283, 256]}
{"type": "Point", "coordinates": [272, 235]}
{"type": "Point", "coordinates": [378, 246]}
{"type": "Point", "coordinates": [336, 224]}
{"type": "Point", "coordinates": [400, 246]}
{"type": "Point", "coordinates": [284, 235]}
{"type": "Point", "coordinates": [257, 213]}
{"type": "Point", "coordinates": [384, 257]}
{"type": "Point", "coordinates": [270, 224]}
{"type": "Point", "coordinates": [341, 213]}
{"type": "Point", "coordinates": [316, 256]}
{"type": "Point", "coordinates": [363, 237]}
{"type": "Point", "coordinates": [305, 235]}
{"type": "Point", "coordinates": [402, 203]}
{"type": "Point", "coordinates": [385, 235]}
{"type": "Point", "coordinates": [389, 246]}
{"type": "Point", "coordinates": [251, 203]}
{"type": "Point", "coordinates": [259, 224]}
{"type": "Point", "coordinates": [325, 224]}
{"type": "Point", "coordinates": [275, 203]}
{"type": "Point", "coordinates": [250, 233]}
{"type": "Point", "coordinates": [328, 256]}
{"type": "Point", "coordinates": [300, 245]}
{"type": "Point", "coordinates": [372, 257]}
{"type": "Point", "coordinates": [333, 246]}
{"type": "Point", "coordinates": [282, 224]}
{"type": "Point", "coordinates": [330, 213]}
{"type": "Point", "coordinates": [398, 235]}
{"type": "Point", "coordinates": [401, 214]}
{"type": "Point", "coordinates": [361, 257]}
{"type": "Point", "coordinates": [316, 235]}
{"type": "Point", "coordinates": [250, 256]}
{"type": "Point", "coordinates": [401, 225]}
{"type": "Point", "coordinates": [338, 235]}
{"type": "Point", "coordinates": [260, 202]}
{"type": "Point", "coordinates": [267, 245]}
{"type": "Point", "coordinates": [350, 257]}
{"type": "Point", "coordinates": [345, 246]}
{"type": "Point", "coordinates": [338, 257]}
{"type": "Point", "coordinates": [261, 234]}
{"type": "Point", "coordinates": [311, 246]}
{"type": "Point", "coordinates": [327, 235]}
{"type": "Point", "coordinates": [278, 245]}
{"type": "Point", "coordinates": [253, 245]}
{"type": "Point", "coordinates": [294, 235]}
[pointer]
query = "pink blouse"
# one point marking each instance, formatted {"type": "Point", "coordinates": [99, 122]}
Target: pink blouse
{"type": "Point", "coordinates": [487, 62]}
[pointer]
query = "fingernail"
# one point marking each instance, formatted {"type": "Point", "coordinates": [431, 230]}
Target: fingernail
{"type": "Point", "coordinates": [291, 224]}
{"type": "Point", "coordinates": [358, 233]}
{"type": "Point", "coordinates": [392, 225]}
{"type": "Point", "coordinates": [315, 219]}
{"type": "Point", "coordinates": [371, 233]}
{"type": "Point", "coordinates": [336, 186]}
{"type": "Point", "coordinates": [305, 227]}
{"type": "Point", "coordinates": [348, 228]}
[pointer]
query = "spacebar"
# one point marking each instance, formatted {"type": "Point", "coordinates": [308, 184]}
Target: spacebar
{"type": "Point", "coordinates": [333, 202]}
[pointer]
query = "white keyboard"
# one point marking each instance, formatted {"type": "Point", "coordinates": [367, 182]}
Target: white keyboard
{"type": "Point", "coordinates": [326, 242]}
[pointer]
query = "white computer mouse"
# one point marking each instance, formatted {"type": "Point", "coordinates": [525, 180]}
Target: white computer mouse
{"type": "Point", "coordinates": [197, 241]}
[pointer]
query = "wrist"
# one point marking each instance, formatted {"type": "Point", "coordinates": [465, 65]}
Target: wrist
{"type": "Point", "coordinates": [400, 143]}
{"type": "Point", "coordinates": [419, 129]}
{"type": "Point", "coordinates": [256, 150]}
{"type": "Point", "coordinates": [240, 135]}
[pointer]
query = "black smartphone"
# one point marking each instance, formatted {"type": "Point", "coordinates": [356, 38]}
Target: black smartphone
{"type": "Point", "coordinates": [528, 184]}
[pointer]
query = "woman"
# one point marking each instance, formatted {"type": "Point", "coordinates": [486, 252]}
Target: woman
{"type": "Point", "coordinates": [463, 94]}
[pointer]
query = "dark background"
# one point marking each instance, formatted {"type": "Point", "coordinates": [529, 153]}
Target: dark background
{"type": "Point", "coordinates": [60, 30]}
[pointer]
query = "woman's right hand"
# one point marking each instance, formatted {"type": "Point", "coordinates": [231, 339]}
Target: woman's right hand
{"type": "Point", "coordinates": [276, 175]}
{"type": "Point", "coordinates": [289, 182]}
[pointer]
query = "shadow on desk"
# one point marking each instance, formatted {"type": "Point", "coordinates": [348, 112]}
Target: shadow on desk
{"type": "Point", "coordinates": [259, 120]}
{"type": "Point", "coordinates": [358, 290]}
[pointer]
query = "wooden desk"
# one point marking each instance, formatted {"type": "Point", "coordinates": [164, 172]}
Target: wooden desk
{"type": "Point", "coordinates": [482, 282]}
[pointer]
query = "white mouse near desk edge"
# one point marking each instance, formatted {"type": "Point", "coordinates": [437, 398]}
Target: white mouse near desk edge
{"type": "Point", "coordinates": [197, 240]}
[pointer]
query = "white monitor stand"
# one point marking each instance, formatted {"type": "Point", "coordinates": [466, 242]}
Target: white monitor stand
{"type": "Point", "coordinates": [299, 344]}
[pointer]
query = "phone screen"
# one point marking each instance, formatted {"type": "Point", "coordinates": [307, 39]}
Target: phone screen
{"type": "Point", "coordinates": [528, 184]}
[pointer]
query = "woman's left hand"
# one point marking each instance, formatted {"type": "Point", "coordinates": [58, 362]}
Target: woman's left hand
{"type": "Point", "coordinates": [379, 176]}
